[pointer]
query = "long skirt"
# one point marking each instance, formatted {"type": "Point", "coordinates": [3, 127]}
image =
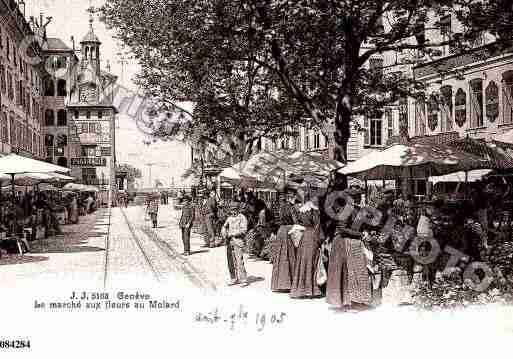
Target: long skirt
{"type": "Point", "coordinates": [73, 215]}
{"type": "Point", "coordinates": [348, 277]}
{"type": "Point", "coordinates": [284, 259]}
{"type": "Point", "coordinates": [304, 283]}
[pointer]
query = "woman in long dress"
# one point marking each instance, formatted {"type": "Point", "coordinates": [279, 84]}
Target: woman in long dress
{"type": "Point", "coordinates": [304, 283]}
{"type": "Point", "coordinates": [349, 284]}
{"type": "Point", "coordinates": [73, 213]}
{"type": "Point", "coordinates": [283, 251]}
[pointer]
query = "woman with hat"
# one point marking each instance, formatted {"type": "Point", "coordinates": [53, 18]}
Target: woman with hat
{"type": "Point", "coordinates": [304, 283]}
{"type": "Point", "coordinates": [283, 251]}
{"type": "Point", "coordinates": [349, 284]}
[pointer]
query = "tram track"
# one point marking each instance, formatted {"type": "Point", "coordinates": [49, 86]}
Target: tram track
{"type": "Point", "coordinates": [181, 264]}
{"type": "Point", "coordinates": [156, 274]}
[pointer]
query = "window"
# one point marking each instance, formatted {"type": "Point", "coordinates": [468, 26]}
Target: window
{"type": "Point", "coordinates": [92, 127]}
{"type": "Point", "coordinates": [5, 128]}
{"type": "Point", "coordinates": [366, 132]}
{"type": "Point", "coordinates": [76, 114]}
{"type": "Point", "coordinates": [492, 102]}
{"type": "Point", "coordinates": [390, 123]}
{"type": "Point", "coordinates": [445, 27]}
{"type": "Point", "coordinates": [10, 87]}
{"type": "Point", "coordinates": [12, 130]}
{"type": "Point", "coordinates": [446, 109]}
{"type": "Point", "coordinates": [476, 103]}
{"type": "Point", "coordinates": [507, 97]}
{"type": "Point", "coordinates": [100, 114]}
{"type": "Point", "coordinates": [106, 151]}
{"type": "Point", "coordinates": [307, 139]}
{"type": "Point", "coordinates": [49, 118]}
{"type": "Point", "coordinates": [89, 175]}
{"type": "Point", "coordinates": [61, 141]}
{"type": "Point", "coordinates": [34, 144]}
{"type": "Point", "coordinates": [88, 115]}
{"type": "Point", "coordinates": [61, 118]}
{"type": "Point", "coordinates": [49, 89]}
{"type": "Point", "coordinates": [3, 84]}
{"type": "Point", "coordinates": [317, 140]}
{"type": "Point", "coordinates": [89, 151]}
{"type": "Point", "coordinates": [19, 94]}
{"type": "Point", "coordinates": [49, 140]}
{"type": "Point", "coordinates": [460, 107]}
{"type": "Point", "coordinates": [432, 108]}
{"type": "Point", "coordinates": [376, 132]}
{"type": "Point", "coordinates": [61, 88]}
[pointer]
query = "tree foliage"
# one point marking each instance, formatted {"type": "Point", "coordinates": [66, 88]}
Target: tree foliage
{"type": "Point", "coordinates": [253, 66]}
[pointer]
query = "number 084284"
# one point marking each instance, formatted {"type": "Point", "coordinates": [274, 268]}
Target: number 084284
{"type": "Point", "coordinates": [14, 344]}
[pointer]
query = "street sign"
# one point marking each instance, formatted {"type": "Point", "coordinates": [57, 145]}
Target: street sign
{"type": "Point", "coordinates": [89, 162]}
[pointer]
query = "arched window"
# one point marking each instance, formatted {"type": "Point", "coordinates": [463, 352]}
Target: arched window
{"type": "Point", "coordinates": [62, 118]}
{"type": "Point", "coordinates": [62, 161]}
{"type": "Point", "coordinates": [49, 87]}
{"type": "Point", "coordinates": [492, 101]}
{"type": "Point", "coordinates": [12, 130]}
{"type": "Point", "coordinates": [446, 109]}
{"type": "Point", "coordinates": [420, 116]}
{"type": "Point", "coordinates": [49, 141]}
{"type": "Point", "coordinates": [5, 128]}
{"type": "Point", "coordinates": [460, 107]}
{"type": "Point", "coordinates": [476, 103]}
{"type": "Point", "coordinates": [433, 109]}
{"type": "Point", "coordinates": [49, 118]}
{"type": "Point", "coordinates": [507, 97]}
{"type": "Point", "coordinates": [61, 88]}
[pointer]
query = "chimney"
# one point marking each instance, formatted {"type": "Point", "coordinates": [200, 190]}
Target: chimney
{"type": "Point", "coordinates": [73, 42]}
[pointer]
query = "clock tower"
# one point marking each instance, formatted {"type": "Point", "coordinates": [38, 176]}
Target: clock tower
{"type": "Point", "coordinates": [91, 119]}
{"type": "Point", "coordinates": [90, 71]}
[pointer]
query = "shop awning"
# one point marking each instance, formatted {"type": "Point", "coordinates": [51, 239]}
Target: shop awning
{"type": "Point", "coordinates": [413, 161]}
{"type": "Point", "coordinates": [14, 164]}
{"type": "Point", "coordinates": [472, 176]}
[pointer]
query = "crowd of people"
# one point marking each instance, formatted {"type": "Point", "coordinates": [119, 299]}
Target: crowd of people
{"type": "Point", "coordinates": [30, 216]}
{"type": "Point", "coordinates": [323, 249]}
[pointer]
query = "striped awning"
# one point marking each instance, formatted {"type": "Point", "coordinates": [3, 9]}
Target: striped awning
{"type": "Point", "coordinates": [497, 156]}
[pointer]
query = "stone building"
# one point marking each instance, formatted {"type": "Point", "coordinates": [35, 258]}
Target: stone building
{"type": "Point", "coordinates": [469, 95]}
{"type": "Point", "coordinates": [91, 118]}
{"type": "Point", "coordinates": [21, 100]}
{"type": "Point", "coordinates": [60, 64]}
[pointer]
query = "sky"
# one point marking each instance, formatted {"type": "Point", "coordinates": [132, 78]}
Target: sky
{"type": "Point", "coordinates": [69, 18]}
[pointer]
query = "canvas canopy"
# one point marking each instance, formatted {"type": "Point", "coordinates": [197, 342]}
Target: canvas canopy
{"type": "Point", "coordinates": [413, 161]}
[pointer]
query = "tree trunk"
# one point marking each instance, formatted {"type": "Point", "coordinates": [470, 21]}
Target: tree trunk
{"type": "Point", "coordinates": [342, 124]}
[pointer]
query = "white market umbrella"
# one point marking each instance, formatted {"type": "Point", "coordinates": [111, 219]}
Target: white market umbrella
{"type": "Point", "coordinates": [414, 161]}
{"type": "Point", "coordinates": [14, 164]}
{"type": "Point", "coordinates": [473, 176]}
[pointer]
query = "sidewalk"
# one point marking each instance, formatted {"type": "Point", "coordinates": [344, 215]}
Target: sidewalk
{"type": "Point", "coordinates": [77, 255]}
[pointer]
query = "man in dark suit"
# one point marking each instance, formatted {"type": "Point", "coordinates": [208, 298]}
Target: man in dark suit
{"type": "Point", "coordinates": [211, 219]}
{"type": "Point", "coordinates": [185, 224]}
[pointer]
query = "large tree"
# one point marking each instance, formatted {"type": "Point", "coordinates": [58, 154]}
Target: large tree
{"type": "Point", "coordinates": [307, 58]}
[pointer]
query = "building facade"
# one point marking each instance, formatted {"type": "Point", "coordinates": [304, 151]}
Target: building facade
{"type": "Point", "coordinates": [470, 95]}
{"type": "Point", "coordinates": [60, 64]}
{"type": "Point", "coordinates": [21, 100]}
{"type": "Point", "coordinates": [91, 118]}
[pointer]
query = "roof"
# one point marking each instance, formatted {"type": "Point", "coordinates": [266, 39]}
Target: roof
{"type": "Point", "coordinates": [55, 44]}
{"type": "Point", "coordinates": [90, 37]}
